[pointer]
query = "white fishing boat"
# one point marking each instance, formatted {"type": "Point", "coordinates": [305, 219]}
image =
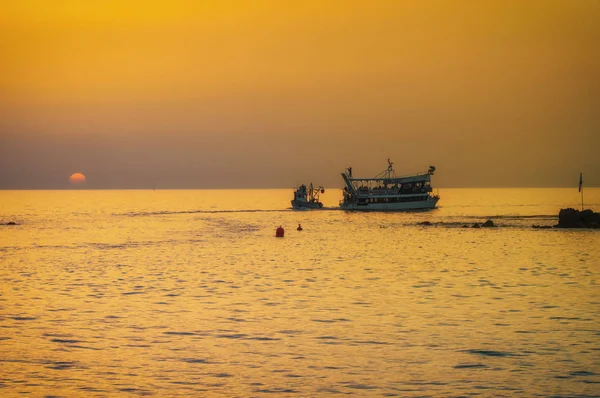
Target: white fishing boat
{"type": "Point", "coordinates": [307, 197]}
{"type": "Point", "coordinates": [386, 192]}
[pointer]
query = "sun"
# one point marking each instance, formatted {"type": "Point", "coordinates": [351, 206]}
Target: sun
{"type": "Point", "coordinates": [77, 178]}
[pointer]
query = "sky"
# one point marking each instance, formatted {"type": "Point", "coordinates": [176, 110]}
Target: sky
{"type": "Point", "coordinates": [271, 94]}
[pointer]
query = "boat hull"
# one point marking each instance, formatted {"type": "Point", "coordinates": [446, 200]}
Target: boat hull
{"type": "Point", "coordinates": [398, 206]}
{"type": "Point", "coordinates": [299, 204]}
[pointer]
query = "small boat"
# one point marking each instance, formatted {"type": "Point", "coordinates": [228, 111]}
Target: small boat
{"type": "Point", "coordinates": [307, 197]}
{"type": "Point", "coordinates": [386, 192]}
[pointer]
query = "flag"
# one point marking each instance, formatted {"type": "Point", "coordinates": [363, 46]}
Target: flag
{"type": "Point", "coordinates": [580, 181]}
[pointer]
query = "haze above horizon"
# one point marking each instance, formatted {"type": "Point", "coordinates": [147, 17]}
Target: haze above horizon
{"type": "Point", "coordinates": [267, 94]}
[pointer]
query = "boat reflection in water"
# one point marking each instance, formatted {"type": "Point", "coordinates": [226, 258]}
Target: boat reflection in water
{"type": "Point", "coordinates": [386, 192]}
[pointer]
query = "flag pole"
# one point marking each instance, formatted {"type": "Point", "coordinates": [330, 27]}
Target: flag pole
{"type": "Point", "coordinates": [581, 188]}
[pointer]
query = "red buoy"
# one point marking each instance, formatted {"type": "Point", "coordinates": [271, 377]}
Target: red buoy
{"type": "Point", "coordinates": [279, 232]}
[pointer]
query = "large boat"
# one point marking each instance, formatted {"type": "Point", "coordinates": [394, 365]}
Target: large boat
{"type": "Point", "coordinates": [307, 198]}
{"type": "Point", "coordinates": [386, 192]}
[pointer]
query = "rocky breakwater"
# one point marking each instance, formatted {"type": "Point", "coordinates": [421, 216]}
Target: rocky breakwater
{"type": "Point", "coordinates": [572, 218]}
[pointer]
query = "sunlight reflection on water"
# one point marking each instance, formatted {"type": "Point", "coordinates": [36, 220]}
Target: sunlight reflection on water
{"type": "Point", "coordinates": [148, 293]}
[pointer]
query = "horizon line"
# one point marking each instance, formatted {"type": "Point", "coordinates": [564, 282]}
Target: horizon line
{"type": "Point", "coordinates": [243, 189]}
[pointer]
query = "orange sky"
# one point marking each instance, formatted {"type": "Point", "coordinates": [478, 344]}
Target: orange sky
{"type": "Point", "coordinates": [180, 94]}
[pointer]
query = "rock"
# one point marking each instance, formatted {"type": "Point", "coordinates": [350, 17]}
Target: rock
{"type": "Point", "coordinates": [476, 226]}
{"type": "Point", "coordinates": [572, 218]}
{"type": "Point", "coordinates": [425, 223]}
{"type": "Point", "coordinates": [11, 223]}
{"type": "Point", "coordinates": [542, 226]}
{"type": "Point", "coordinates": [488, 224]}
{"type": "Point", "coordinates": [465, 226]}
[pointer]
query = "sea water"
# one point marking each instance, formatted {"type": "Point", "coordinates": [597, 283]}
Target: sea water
{"type": "Point", "coordinates": [188, 293]}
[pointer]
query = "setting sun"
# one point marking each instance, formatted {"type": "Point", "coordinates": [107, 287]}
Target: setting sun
{"type": "Point", "coordinates": [77, 178]}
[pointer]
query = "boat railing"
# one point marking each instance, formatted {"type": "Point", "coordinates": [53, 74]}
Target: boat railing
{"type": "Point", "coordinates": [421, 173]}
{"type": "Point", "coordinates": [393, 192]}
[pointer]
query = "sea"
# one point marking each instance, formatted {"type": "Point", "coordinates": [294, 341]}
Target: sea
{"type": "Point", "coordinates": [188, 293]}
